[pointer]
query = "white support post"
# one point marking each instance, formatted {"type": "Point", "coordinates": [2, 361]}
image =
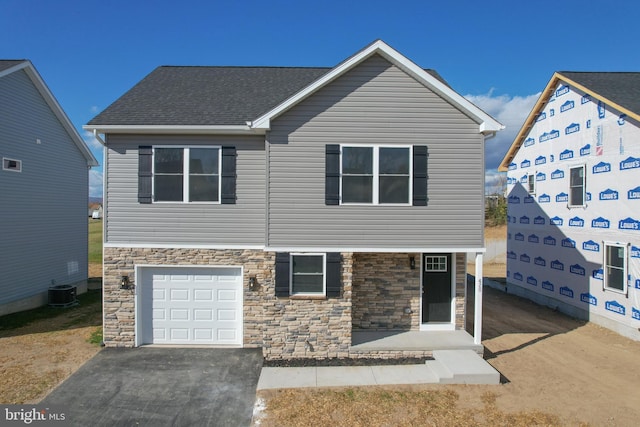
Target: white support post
{"type": "Point", "coordinates": [477, 314]}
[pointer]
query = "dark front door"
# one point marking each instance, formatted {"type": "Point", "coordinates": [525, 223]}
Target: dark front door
{"type": "Point", "coordinates": [436, 288]}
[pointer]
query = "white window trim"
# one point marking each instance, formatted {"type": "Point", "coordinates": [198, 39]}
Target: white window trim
{"type": "Point", "coordinates": [5, 160]}
{"type": "Point", "coordinates": [584, 186]}
{"type": "Point", "coordinates": [376, 174]}
{"type": "Point", "coordinates": [324, 274]}
{"type": "Point", "coordinates": [531, 178]}
{"type": "Point", "coordinates": [186, 175]}
{"type": "Point", "coordinates": [625, 270]}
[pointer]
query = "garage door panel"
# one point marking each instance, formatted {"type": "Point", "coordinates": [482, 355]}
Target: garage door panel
{"type": "Point", "coordinates": [194, 305]}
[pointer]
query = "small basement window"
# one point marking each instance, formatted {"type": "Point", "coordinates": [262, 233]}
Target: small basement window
{"type": "Point", "coordinates": [11, 165]}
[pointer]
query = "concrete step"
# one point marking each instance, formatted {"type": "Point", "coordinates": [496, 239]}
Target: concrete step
{"type": "Point", "coordinates": [462, 367]}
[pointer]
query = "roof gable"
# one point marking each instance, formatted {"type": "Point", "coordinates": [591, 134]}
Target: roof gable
{"type": "Point", "coordinates": [8, 67]}
{"type": "Point", "coordinates": [620, 90]}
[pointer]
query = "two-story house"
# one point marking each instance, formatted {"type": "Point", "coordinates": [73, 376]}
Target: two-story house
{"type": "Point", "coordinates": [308, 211]}
{"type": "Point", "coordinates": [574, 200]}
{"type": "Point", "coordinates": [44, 185]}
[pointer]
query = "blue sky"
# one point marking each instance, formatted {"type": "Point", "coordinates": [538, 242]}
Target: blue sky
{"type": "Point", "coordinates": [500, 54]}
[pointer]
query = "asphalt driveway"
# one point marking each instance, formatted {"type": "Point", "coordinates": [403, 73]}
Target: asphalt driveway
{"type": "Point", "coordinates": [152, 386]}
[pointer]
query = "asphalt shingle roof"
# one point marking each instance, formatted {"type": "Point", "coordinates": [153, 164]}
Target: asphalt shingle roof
{"type": "Point", "coordinates": [176, 95]}
{"type": "Point", "coordinates": [8, 63]}
{"type": "Point", "coordinates": [623, 88]}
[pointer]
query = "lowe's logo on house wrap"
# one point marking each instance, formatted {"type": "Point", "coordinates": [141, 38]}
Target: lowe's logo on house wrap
{"type": "Point", "coordinates": [572, 128]}
{"type": "Point", "coordinates": [608, 194]}
{"type": "Point", "coordinates": [622, 119]}
{"type": "Point", "coordinates": [546, 136]}
{"type": "Point", "coordinates": [586, 98]}
{"type": "Point", "coordinates": [577, 269]}
{"type": "Point", "coordinates": [541, 117]}
{"type": "Point", "coordinates": [513, 166]}
{"type": "Point", "coordinates": [634, 193]}
{"type": "Point", "coordinates": [601, 110]}
{"type": "Point", "coordinates": [586, 150]}
{"type": "Point", "coordinates": [637, 283]}
{"type": "Point", "coordinates": [588, 298]}
{"type": "Point", "coordinates": [511, 255]}
{"type": "Point", "coordinates": [566, 291]}
{"type": "Point", "coordinates": [557, 265]}
{"type": "Point", "coordinates": [547, 285]}
{"type": "Point", "coordinates": [576, 221]}
{"type": "Point", "coordinates": [557, 174]}
{"type": "Point", "coordinates": [524, 219]}
{"type": "Point", "coordinates": [511, 180]}
{"type": "Point", "coordinates": [600, 222]}
{"type": "Point", "coordinates": [539, 220]}
{"type": "Point", "coordinates": [525, 163]}
{"type": "Point", "coordinates": [635, 313]}
{"type": "Point", "coordinates": [544, 198]}
{"type": "Point", "coordinates": [567, 106]}
{"type": "Point", "coordinates": [549, 240]}
{"type": "Point", "coordinates": [529, 199]}
{"type": "Point", "coordinates": [562, 197]}
{"type": "Point", "coordinates": [529, 141]}
{"type": "Point", "coordinates": [615, 307]}
{"type": "Point", "coordinates": [514, 200]}
{"type": "Point", "coordinates": [634, 252]}
{"type": "Point", "coordinates": [629, 224]}
{"type": "Point", "coordinates": [532, 281]}
{"type": "Point", "coordinates": [533, 238]}
{"type": "Point", "coordinates": [525, 258]}
{"type": "Point", "coordinates": [568, 243]}
{"type": "Point", "coordinates": [588, 196]}
{"type": "Point", "coordinates": [540, 261]}
{"type": "Point", "coordinates": [541, 176]}
{"type": "Point", "coordinates": [566, 154]}
{"type": "Point", "coordinates": [519, 236]}
{"type": "Point", "coordinates": [601, 167]}
{"type": "Point", "coordinates": [590, 245]}
{"type": "Point", "coordinates": [541, 160]}
{"type": "Point", "coordinates": [630, 163]}
{"type": "Point", "coordinates": [517, 276]}
{"type": "Point", "coordinates": [524, 178]}
{"type": "Point", "coordinates": [597, 274]}
{"type": "Point", "coordinates": [562, 90]}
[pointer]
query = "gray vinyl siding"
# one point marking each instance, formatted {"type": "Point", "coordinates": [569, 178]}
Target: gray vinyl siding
{"type": "Point", "coordinates": [375, 103]}
{"type": "Point", "coordinates": [43, 209]}
{"type": "Point", "coordinates": [130, 222]}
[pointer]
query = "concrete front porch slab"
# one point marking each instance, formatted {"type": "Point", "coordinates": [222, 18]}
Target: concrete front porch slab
{"type": "Point", "coordinates": [364, 341]}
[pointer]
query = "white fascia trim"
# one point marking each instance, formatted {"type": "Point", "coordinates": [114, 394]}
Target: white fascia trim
{"type": "Point", "coordinates": [15, 68]}
{"type": "Point", "coordinates": [372, 250]}
{"type": "Point", "coordinates": [487, 123]}
{"type": "Point", "coordinates": [178, 246]}
{"type": "Point", "coordinates": [175, 129]}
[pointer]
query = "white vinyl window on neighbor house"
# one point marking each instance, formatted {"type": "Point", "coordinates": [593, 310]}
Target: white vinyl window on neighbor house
{"type": "Point", "coordinates": [308, 274]}
{"type": "Point", "coordinates": [11, 165]}
{"type": "Point", "coordinates": [577, 186]}
{"type": "Point", "coordinates": [186, 174]}
{"type": "Point", "coordinates": [615, 267]}
{"type": "Point", "coordinates": [375, 175]}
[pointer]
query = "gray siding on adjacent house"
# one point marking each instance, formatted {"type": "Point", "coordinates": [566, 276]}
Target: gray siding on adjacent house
{"type": "Point", "coordinates": [43, 209]}
{"type": "Point", "coordinates": [217, 225]}
{"type": "Point", "coordinates": [375, 103]}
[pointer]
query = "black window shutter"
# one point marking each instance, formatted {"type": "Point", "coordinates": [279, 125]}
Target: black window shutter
{"type": "Point", "coordinates": [228, 196]}
{"type": "Point", "coordinates": [332, 174]}
{"type": "Point", "coordinates": [282, 274]}
{"type": "Point", "coordinates": [334, 274]}
{"type": "Point", "coordinates": [420, 157]}
{"type": "Point", "coordinates": [145, 161]}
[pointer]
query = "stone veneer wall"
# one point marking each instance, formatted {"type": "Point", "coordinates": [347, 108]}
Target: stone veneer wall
{"type": "Point", "coordinates": [384, 285]}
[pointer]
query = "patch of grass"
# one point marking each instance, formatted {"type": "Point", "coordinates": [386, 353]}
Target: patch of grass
{"type": "Point", "coordinates": [96, 336]}
{"type": "Point", "coordinates": [23, 318]}
{"type": "Point", "coordinates": [95, 240]}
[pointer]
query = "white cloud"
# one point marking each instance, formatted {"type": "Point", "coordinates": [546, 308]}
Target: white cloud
{"type": "Point", "coordinates": [91, 141]}
{"type": "Point", "coordinates": [94, 109]}
{"type": "Point", "coordinates": [95, 183]}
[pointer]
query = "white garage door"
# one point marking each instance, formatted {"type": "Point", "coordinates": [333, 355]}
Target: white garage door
{"type": "Point", "coordinates": [187, 305]}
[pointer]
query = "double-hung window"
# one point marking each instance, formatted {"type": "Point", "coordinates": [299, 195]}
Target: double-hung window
{"type": "Point", "coordinates": [615, 267]}
{"type": "Point", "coordinates": [577, 186]}
{"type": "Point", "coordinates": [186, 174]}
{"type": "Point", "coordinates": [308, 274]}
{"type": "Point", "coordinates": [531, 183]}
{"type": "Point", "coordinates": [375, 175]}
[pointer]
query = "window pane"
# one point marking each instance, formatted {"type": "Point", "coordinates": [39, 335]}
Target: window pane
{"type": "Point", "coordinates": [168, 188]}
{"type": "Point", "coordinates": [615, 278]}
{"type": "Point", "coordinates": [577, 175]}
{"type": "Point", "coordinates": [203, 188]}
{"type": "Point", "coordinates": [615, 256]}
{"type": "Point", "coordinates": [203, 161]}
{"type": "Point", "coordinates": [307, 284]}
{"type": "Point", "coordinates": [394, 161]}
{"type": "Point", "coordinates": [532, 183]}
{"type": "Point", "coordinates": [394, 189]}
{"type": "Point", "coordinates": [168, 160]}
{"type": "Point", "coordinates": [357, 160]}
{"type": "Point", "coordinates": [357, 189]}
{"type": "Point", "coordinates": [308, 264]}
{"type": "Point", "coordinates": [577, 196]}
